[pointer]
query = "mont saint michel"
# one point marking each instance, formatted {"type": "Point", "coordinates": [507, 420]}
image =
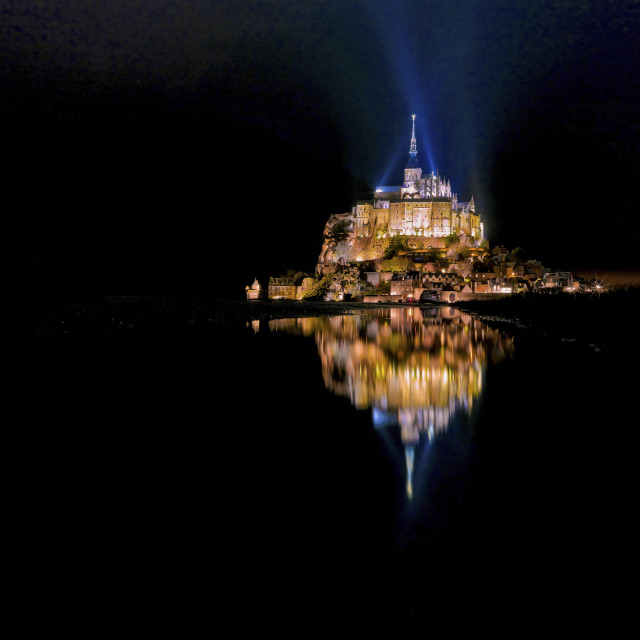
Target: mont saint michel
{"type": "Point", "coordinates": [424, 209]}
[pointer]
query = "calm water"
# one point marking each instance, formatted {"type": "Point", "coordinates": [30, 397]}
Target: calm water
{"type": "Point", "coordinates": [399, 462]}
{"type": "Point", "coordinates": [418, 374]}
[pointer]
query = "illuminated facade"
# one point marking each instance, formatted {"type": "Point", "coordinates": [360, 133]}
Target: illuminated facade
{"type": "Point", "coordinates": [254, 292]}
{"type": "Point", "coordinates": [282, 288]}
{"type": "Point", "coordinates": [424, 208]}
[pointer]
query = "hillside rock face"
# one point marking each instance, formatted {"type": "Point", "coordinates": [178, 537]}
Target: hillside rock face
{"type": "Point", "coordinates": [339, 239]}
{"type": "Point", "coordinates": [347, 240]}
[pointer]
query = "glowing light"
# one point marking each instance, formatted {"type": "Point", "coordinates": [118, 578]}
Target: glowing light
{"type": "Point", "coordinates": [409, 461]}
{"type": "Point", "coordinates": [420, 396]}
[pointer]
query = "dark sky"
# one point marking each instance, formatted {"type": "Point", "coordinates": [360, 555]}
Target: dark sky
{"type": "Point", "coordinates": [178, 147]}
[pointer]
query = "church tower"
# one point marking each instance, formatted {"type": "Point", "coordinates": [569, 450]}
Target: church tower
{"type": "Point", "coordinates": [412, 172]}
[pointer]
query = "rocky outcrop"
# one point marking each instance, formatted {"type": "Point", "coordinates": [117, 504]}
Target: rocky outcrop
{"type": "Point", "coordinates": [346, 247]}
{"type": "Point", "coordinates": [339, 236]}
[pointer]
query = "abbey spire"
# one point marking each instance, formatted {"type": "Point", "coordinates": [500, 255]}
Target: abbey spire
{"type": "Point", "coordinates": [413, 151]}
{"type": "Point", "coordinates": [412, 172]}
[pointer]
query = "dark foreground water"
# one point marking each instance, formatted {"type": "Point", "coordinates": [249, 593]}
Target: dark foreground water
{"type": "Point", "coordinates": [392, 465]}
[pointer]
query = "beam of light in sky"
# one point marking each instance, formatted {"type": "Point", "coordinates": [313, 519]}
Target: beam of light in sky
{"type": "Point", "coordinates": [395, 39]}
{"type": "Point", "coordinates": [398, 158]}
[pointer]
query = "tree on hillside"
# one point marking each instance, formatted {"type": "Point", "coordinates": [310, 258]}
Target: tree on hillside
{"type": "Point", "coordinates": [517, 255]}
{"type": "Point", "coordinates": [319, 288]}
{"type": "Point", "coordinates": [483, 266]}
{"type": "Point", "coordinates": [442, 264]}
{"type": "Point", "coordinates": [345, 280]}
{"type": "Point", "coordinates": [464, 253]}
{"type": "Point", "coordinates": [452, 252]}
{"type": "Point", "coordinates": [451, 239]}
{"type": "Point", "coordinates": [464, 267]}
{"type": "Point", "coordinates": [340, 230]}
{"type": "Point", "coordinates": [296, 276]}
{"type": "Point", "coordinates": [396, 244]}
{"type": "Point", "coordinates": [397, 263]}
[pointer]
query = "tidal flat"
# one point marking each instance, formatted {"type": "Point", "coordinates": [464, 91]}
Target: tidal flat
{"type": "Point", "coordinates": [318, 460]}
{"type": "Point", "coordinates": [609, 318]}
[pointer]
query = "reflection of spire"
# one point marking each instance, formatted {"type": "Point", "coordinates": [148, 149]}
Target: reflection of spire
{"type": "Point", "coordinates": [409, 455]}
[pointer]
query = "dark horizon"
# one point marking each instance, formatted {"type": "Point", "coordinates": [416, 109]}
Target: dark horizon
{"type": "Point", "coordinates": [191, 161]}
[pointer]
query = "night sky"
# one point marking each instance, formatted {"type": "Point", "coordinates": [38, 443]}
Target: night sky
{"type": "Point", "coordinates": [164, 147]}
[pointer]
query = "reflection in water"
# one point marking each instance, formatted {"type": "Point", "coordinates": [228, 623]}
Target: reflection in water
{"type": "Point", "coordinates": [415, 368]}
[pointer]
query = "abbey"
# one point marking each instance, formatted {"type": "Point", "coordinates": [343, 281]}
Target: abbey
{"type": "Point", "coordinates": [424, 209]}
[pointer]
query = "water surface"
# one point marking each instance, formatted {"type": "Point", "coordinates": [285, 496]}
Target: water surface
{"type": "Point", "coordinates": [382, 463]}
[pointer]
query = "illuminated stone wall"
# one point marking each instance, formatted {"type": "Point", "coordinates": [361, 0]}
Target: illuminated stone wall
{"type": "Point", "coordinates": [370, 228]}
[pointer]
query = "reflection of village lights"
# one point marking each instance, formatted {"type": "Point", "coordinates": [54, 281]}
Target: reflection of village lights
{"type": "Point", "coordinates": [414, 370]}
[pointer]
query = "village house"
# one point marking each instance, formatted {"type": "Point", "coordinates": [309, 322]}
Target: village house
{"type": "Point", "coordinates": [255, 291]}
{"type": "Point", "coordinates": [405, 283]}
{"type": "Point", "coordinates": [282, 289]}
{"type": "Point", "coordinates": [439, 280]}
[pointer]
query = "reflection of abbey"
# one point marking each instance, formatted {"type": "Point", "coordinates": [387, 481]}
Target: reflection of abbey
{"type": "Point", "coordinates": [416, 369]}
{"type": "Point", "coordinates": [423, 208]}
